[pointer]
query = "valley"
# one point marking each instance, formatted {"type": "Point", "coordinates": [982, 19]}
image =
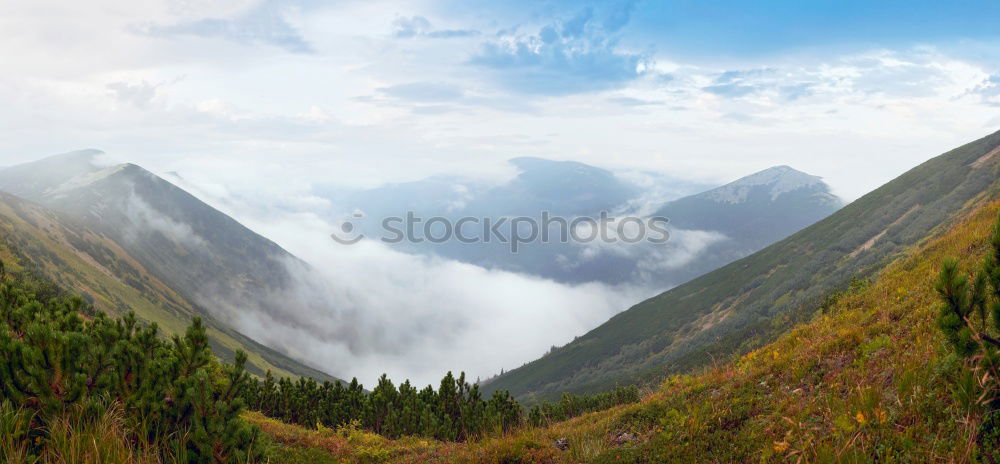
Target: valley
{"type": "Point", "coordinates": [519, 232]}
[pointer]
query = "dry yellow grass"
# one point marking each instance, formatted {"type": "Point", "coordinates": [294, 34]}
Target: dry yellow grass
{"type": "Point", "coordinates": [869, 380]}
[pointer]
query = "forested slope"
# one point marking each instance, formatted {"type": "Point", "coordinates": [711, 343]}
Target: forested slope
{"type": "Point", "coordinates": [86, 262]}
{"type": "Point", "coordinates": [870, 377]}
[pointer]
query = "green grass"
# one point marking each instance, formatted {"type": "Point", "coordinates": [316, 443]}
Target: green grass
{"type": "Point", "coordinates": [867, 378]}
{"type": "Point", "coordinates": [79, 260]}
{"type": "Point", "coordinates": [870, 379]}
{"type": "Point", "coordinates": [72, 439]}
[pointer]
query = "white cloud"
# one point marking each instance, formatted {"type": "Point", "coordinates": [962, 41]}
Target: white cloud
{"type": "Point", "coordinates": [144, 218]}
{"type": "Point", "coordinates": [414, 316]}
{"type": "Point", "coordinates": [231, 107]}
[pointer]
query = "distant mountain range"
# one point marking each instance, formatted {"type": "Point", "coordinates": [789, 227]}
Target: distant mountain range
{"type": "Point", "coordinates": [180, 256]}
{"type": "Point", "coordinates": [135, 240]}
{"type": "Point", "coordinates": [746, 303]}
{"type": "Point", "coordinates": [860, 279]}
{"type": "Point", "coordinates": [563, 188]}
{"type": "Point", "coordinates": [709, 229]}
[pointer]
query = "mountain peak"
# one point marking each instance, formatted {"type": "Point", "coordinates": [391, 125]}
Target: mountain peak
{"type": "Point", "coordinates": [775, 180]}
{"type": "Point", "coordinates": [57, 175]}
{"type": "Point", "coordinates": [36, 177]}
{"type": "Point", "coordinates": [782, 173]}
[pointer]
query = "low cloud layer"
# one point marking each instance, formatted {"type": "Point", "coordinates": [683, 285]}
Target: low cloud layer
{"type": "Point", "coordinates": [418, 317]}
{"type": "Point", "coordinates": [367, 309]}
{"type": "Point", "coordinates": [256, 99]}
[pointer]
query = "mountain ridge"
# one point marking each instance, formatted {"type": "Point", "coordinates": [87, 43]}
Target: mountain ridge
{"type": "Point", "coordinates": [868, 378]}
{"type": "Point", "coordinates": [745, 303]}
{"type": "Point", "coordinates": [573, 189]}
{"type": "Point", "coordinates": [211, 259]}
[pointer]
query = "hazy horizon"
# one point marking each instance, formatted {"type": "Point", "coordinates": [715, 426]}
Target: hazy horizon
{"type": "Point", "coordinates": [261, 106]}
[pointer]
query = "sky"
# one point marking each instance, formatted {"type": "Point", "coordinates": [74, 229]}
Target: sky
{"type": "Point", "coordinates": [256, 102]}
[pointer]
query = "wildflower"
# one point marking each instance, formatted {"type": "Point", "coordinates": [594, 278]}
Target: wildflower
{"type": "Point", "coordinates": [881, 415]}
{"type": "Point", "coordinates": [780, 446]}
{"type": "Point", "coordinates": [860, 418]}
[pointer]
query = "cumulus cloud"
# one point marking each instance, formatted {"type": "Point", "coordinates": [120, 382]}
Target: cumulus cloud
{"type": "Point", "coordinates": [989, 90]}
{"type": "Point", "coordinates": [405, 28]}
{"type": "Point", "coordinates": [577, 54]}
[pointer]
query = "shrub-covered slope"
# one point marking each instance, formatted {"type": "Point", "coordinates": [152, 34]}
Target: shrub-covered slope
{"type": "Point", "coordinates": [229, 272]}
{"type": "Point", "coordinates": [868, 378]}
{"type": "Point", "coordinates": [88, 263]}
{"type": "Point", "coordinates": [77, 386]}
{"type": "Point", "coordinates": [748, 302]}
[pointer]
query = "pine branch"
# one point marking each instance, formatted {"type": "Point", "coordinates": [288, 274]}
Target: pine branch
{"type": "Point", "coordinates": [981, 335]}
{"type": "Point", "coordinates": [995, 342]}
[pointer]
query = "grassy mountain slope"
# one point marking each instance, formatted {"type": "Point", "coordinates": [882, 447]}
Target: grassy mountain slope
{"type": "Point", "coordinates": [197, 250]}
{"type": "Point", "coordinates": [748, 302]}
{"type": "Point", "coordinates": [867, 379]}
{"type": "Point", "coordinates": [221, 268]}
{"type": "Point", "coordinates": [77, 258]}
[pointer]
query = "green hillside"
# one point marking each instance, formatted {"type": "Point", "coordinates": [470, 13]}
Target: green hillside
{"type": "Point", "coordinates": [203, 254]}
{"type": "Point", "coordinates": [751, 301]}
{"type": "Point", "coordinates": [80, 260]}
{"type": "Point", "coordinates": [871, 378]}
